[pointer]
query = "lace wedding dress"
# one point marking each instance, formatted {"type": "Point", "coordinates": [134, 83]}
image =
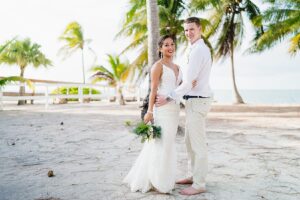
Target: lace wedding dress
{"type": "Point", "coordinates": [155, 167]}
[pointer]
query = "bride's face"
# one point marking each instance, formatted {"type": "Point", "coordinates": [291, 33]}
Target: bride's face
{"type": "Point", "coordinates": [168, 48]}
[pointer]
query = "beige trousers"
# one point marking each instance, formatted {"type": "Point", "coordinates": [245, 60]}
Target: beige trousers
{"type": "Point", "coordinates": [195, 139]}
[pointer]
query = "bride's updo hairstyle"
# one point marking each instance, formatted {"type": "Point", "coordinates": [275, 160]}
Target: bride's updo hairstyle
{"type": "Point", "coordinates": [161, 42]}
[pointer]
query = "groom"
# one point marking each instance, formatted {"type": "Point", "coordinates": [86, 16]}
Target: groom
{"type": "Point", "coordinates": [198, 103]}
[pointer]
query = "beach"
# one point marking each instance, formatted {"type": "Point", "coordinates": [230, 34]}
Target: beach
{"type": "Point", "coordinates": [254, 152]}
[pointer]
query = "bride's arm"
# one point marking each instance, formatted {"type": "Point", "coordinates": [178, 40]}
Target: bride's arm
{"type": "Point", "coordinates": [156, 73]}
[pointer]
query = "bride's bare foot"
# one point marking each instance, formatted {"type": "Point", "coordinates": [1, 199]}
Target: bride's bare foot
{"type": "Point", "coordinates": [185, 181]}
{"type": "Point", "coordinates": [159, 192]}
{"type": "Point", "coordinates": [192, 191]}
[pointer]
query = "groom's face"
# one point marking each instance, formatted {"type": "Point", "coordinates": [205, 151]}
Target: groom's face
{"type": "Point", "coordinates": [192, 31]}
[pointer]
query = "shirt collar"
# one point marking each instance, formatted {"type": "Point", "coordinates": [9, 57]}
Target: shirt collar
{"type": "Point", "coordinates": [198, 42]}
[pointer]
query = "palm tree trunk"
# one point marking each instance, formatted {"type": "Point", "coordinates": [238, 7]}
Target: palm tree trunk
{"type": "Point", "coordinates": [22, 88]}
{"type": "Point", "coordinates": [238, 98]}
{"type": "Point", "coordinates": [120, 96]}
{"type": "Point", "coordinates": [83, 71]}
{"type": "Point", "coordinates": [153, 31]}
{"type": "Point", "coordinates": [153, 37]}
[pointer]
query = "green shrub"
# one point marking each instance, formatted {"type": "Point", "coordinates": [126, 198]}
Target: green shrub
{"type": "Point", "coordinates": [73, 90]}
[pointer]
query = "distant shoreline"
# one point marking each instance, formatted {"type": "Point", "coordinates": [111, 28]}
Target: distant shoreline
{"type": "Point", "coordinates": [105, 106]}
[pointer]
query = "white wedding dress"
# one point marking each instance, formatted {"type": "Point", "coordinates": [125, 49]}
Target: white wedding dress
{"type": "Point", "coordinates": [155, 167]}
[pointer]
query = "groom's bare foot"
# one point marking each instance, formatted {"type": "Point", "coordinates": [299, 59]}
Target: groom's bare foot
{"type": "Point", "coordinates": [185, 181]}
{"type": "Point", "coordinates": [191, 191]}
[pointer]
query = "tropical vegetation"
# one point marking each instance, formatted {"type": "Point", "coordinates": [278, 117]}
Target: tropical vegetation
{"type": "Point", "coordinates": [135, 27]}
{"type": "Point", "coordinates": [6, 80]}
{"type": "Point", "coordinates": [225, 24]}
{"type": "Point", "coordinates": [115, 73]}
{"type": "Point", "coordinates": [23, 53]}
{"type": "Point", "coordinates": [73, 39]}
{"type": "Point", "coordinates": [74, 90]}
{"type": "Point", "coordinates": [281, 21]}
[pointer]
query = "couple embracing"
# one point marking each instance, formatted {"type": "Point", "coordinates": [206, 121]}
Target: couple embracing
{"type": "Point", "coordinates": [155, 167]}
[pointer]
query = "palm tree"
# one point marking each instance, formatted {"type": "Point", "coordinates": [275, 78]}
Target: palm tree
{"type": "Point", "coordinates": [23, 53]}
{"type": "Point", "coordinates": [6, 80]}
{"type": "Point", "coordinates": [116, 74]}
{"type": "Point", "coordinates": [228, 27]}
{"type": "Point", "coordinates": [74, 40]}
{"type": "Point", "coordinates": [282, 21]}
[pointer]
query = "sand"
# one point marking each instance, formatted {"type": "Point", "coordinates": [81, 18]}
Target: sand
{"type": "Point", "coordinates": [254, 152]}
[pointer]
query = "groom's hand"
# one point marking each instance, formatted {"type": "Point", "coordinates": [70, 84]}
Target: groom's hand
{"type": "Point", "coordinates": [160, 100]}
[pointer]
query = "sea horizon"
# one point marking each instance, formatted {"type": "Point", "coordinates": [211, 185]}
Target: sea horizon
{"type": "Point", "coordinates": [250, 96]}
{"type": "Point", "coordinates": [260, 96]}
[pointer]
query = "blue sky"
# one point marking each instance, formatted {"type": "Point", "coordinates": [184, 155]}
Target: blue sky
{"type": "Point", "coordinates": [44, 20]}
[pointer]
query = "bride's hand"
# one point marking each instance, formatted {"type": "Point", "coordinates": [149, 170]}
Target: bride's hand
{"type": "Point", "coordinates": [194, 83]}
{"type": "Point", "coordinates": [148, 117]}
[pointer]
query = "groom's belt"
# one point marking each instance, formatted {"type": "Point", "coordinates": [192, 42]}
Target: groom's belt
{"type": "Point", "coordinates": [186, 97]}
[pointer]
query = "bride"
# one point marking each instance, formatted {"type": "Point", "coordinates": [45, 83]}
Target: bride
{"type": "Point", "coordinates": [155, 167]}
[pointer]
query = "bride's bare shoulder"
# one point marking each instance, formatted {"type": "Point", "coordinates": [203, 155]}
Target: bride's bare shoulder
{"type": "Point", "coordinates": [157, 66]}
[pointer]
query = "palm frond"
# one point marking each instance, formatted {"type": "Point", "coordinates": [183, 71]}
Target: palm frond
{"type": "Point", "coordinates": [251, 9]}
{"type": "Point", "coordinates": [23, 53]}
{"type": "Point", "coordinates": [6, 80]}
{"type": "Point", "coordinates": [223, 45]}
{"type": "Point", "coordinates": [199, 5]}
{"type": "Point", "coordinates": [73, 38]}
{"type": "Point", "coordinates": [281, 20]}
{"type": "Point", "coordinates": [295, 44]}
{"type": "Point", "coordinates": [118, 71]}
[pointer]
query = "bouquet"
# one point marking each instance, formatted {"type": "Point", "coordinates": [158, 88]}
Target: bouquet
{"type": "Point", "coordinates": [147, 131]}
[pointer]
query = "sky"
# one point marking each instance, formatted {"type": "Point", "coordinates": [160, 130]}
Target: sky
{"type": "Point", "coordinates": [44, 21]}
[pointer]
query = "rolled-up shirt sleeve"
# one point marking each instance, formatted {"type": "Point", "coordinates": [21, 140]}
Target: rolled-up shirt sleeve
{"type": "Point", "coordinates": [196, 58]}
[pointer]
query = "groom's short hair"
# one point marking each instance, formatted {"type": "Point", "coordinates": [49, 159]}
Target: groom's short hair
{"type": "Point", "coordinates": [195, 20]}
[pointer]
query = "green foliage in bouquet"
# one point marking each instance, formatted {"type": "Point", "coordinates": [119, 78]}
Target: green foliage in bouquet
{"type": "Point", "coordinates": [147, 131]}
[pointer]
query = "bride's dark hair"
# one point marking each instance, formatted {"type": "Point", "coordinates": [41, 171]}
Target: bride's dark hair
{"type": "Point", "coordinates": [161, 42]}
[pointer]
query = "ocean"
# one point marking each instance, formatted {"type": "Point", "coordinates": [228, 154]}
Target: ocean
{"type": "Point", "coordinates": [260, 96]}
{"type": "Point", "coordinates": [220, 96]}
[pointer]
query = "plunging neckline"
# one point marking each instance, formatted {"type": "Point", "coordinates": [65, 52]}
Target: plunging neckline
{"type": "Point", "coordinates": [176, 77]}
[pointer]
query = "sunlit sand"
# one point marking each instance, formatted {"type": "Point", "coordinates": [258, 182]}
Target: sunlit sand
{"type": "Point", "coordinates": [254, 152]}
